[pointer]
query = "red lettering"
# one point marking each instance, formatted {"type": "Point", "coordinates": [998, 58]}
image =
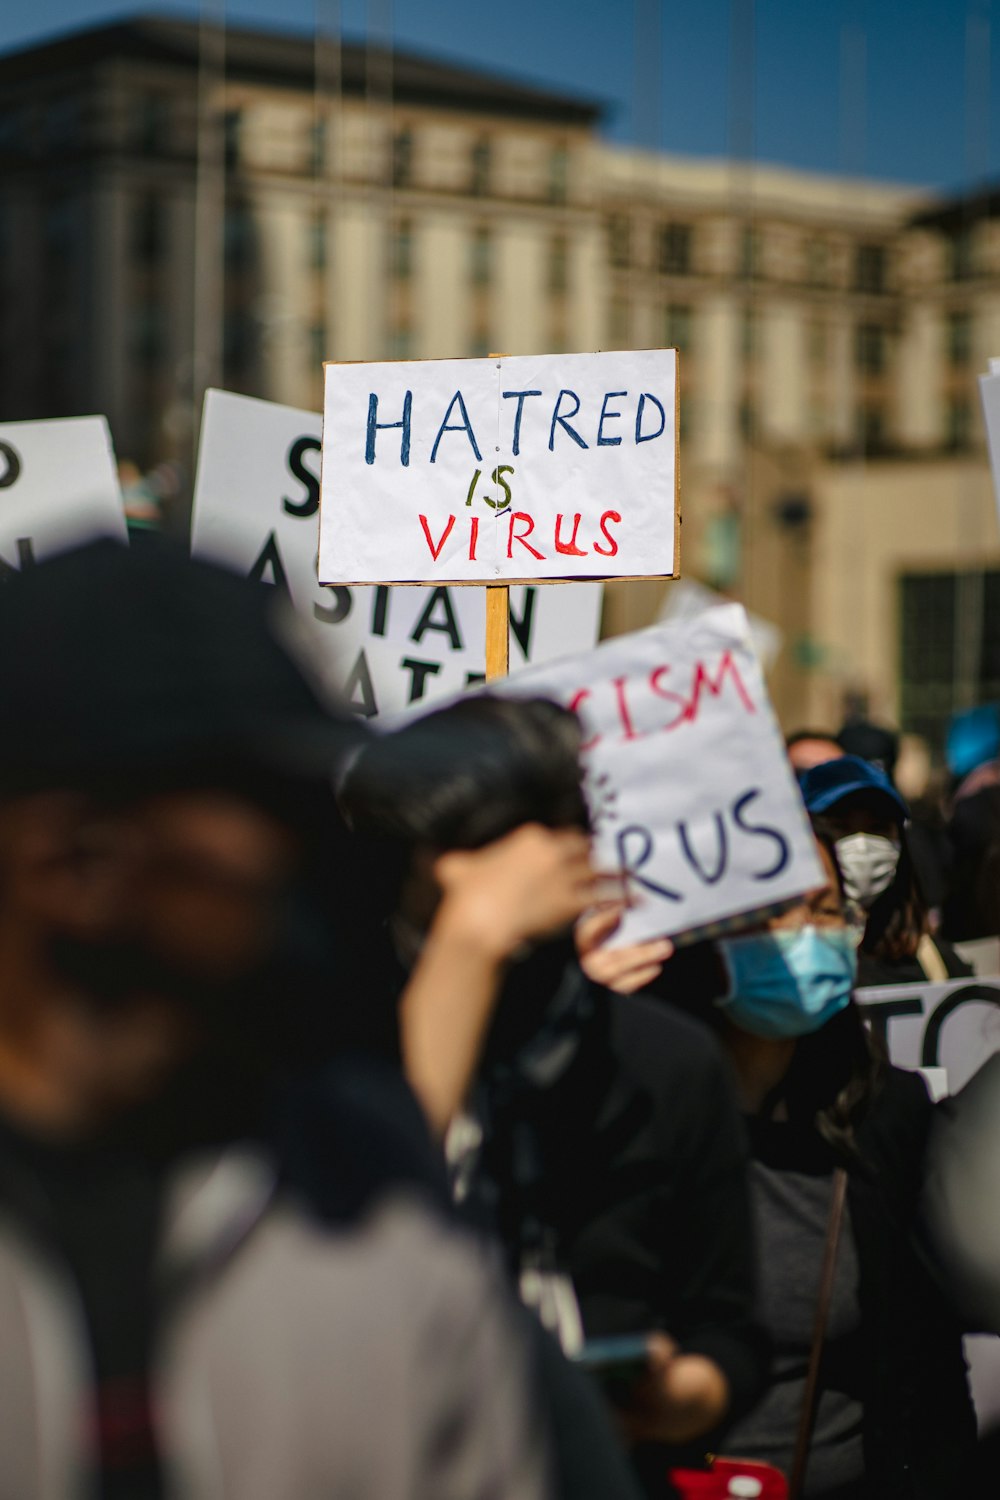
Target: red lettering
{"type": "Point", "coordinates": [702, 679]}
{"type": "Point", "coordinates": [520, 515]}
{"type": "Point", "coordinates": [569, 548]}
{"type": "Point", "coordinates": [619, 684]}
{"type": "Point", "coordinates": [665, 693]}
{"type": "Point", "coordinates": [473, 538]}
{"type": "Point", "coordinates": [436, 551]}
{"type": "Point", "coordinates": [612, 549]}
{"type": "Point", "coordinates": [574, 707]}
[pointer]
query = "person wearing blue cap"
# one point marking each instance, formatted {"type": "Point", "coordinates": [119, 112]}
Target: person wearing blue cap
{"type": "Point", "coordinates": [854, 801]}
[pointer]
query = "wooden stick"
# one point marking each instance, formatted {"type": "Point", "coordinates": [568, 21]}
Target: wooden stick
{"type": "Point", "coordinates": [497, 630]}
{"type": "Point", "coordinates": [497, 622]}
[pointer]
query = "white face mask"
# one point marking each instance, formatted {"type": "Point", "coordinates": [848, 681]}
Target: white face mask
{"type": "Point", "coordinates": [868, 863]}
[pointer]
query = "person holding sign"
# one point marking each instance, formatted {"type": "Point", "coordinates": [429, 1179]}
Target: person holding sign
{"type": "Point", "coordinates": [595, 1134]}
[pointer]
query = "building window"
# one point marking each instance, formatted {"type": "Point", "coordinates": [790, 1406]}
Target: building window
{"type": "Point", "coordinates": [558, 263]}
{"type": "Point", "coordinates": [619, 241]}
{"type": "Point", "coordinates": [151, 123]}
{"type": "Point", "coordinates": [944, 618]}
{"type": "Point", "coordinates": [960, 256]}
{"type": "Point", "coordinates": [400, 343]}
{"type": "Point", "coordinates": [750, 333]}
{"type": "Point", "coordinates": [675, 249]}
{"type": "Point", "coordinates": [870, 428]}
{"type": "Point", "coordinates": [619, 328]}
{"type": "Point", "coordinates": [870, 268]}
{"type": "Point", "coordinates": [239, 342]}
{"type": "Point", "coordinates": [317, 145]}
{"type": "Point", "coordinates": [232, 131]}
{"type": "Point", "coordinates": [817, 342]}
{"type": "Point", "coordinates": [479, 344]}
{"type": "Point", "coordinates": [677, 327]}
{"type": "Point", "coordinates": [558, 174]}
{"type": "Point", "coordinates": [316, 243]}
{"type": "Point", "coordinates": [401, 251]}
{"type": "Point", "coordinates": [402, 157]}
{"type": "Point", "coordinates": [481, 256]}
{"type": "Point", "coordinates": [750, 252]}
{"type": "Point", "coordinates": [870, 348]}
{"type": "Point", "coordinates": [239, 237]}
{"type": "Point", "coordinates": [748, 419]}
{"type": "Point", "coordinates": [481, 165]}
{"type": "Point", "coordinates": [146, 340]}
{"type": "Point", "coordinates": [317, 344]}
{"type": "Point", "coordinates": [147, 230]}
{"type": "Point", "coordinates": [958, 424]}
{"type": "Point", "coordinates": [817, 262]}
{"type": "Point", "coordinates": [959, 337]}
{"type": "Point", "coordinates": [59, 229]}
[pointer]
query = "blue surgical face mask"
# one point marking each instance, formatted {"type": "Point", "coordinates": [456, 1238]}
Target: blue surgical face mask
{"type": "Point", "coordinates": [788, 983]}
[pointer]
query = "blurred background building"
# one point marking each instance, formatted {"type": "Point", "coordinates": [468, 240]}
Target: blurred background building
{"type": "Point", "coordinates": [184, 206]}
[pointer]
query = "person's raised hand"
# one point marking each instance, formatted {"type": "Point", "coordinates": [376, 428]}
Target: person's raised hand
{"type": "Point", "coordinates": [624, 970]}
{"type": "Point", "coordinates": [529, 885]}
{"type": "Point", "coordinates": [680, 1398]}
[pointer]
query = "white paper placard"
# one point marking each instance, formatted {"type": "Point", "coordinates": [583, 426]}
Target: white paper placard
{"type": "Point", "coordinates": [686, 598]}
{"type": "Point", "coordinates": [989, 392]}
{"type": "Point", "coordinates": [690, 789]}
{"type": "Point", "coordinates": [58, 487]}
{"type": "Point", "coordinates": [955, 1026]}
{"type": "Point", "coordinates": [256, 509]}
{"type": "Point", "coordinates": [477, 470]}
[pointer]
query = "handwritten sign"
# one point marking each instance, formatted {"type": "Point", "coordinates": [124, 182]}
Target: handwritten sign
{"type": "Point", "coordinates": [955, 1026]}
{"type": "Point", "coordinates": [989, 393]}
{"type": "Point", "coordinates": [58, 488]}
{"type": "Point", "coordinates": [479, 471]}
{"type": "Point", "coordinates": [690, 790]}
{"type": "Point", "coordinates": [256, 508]}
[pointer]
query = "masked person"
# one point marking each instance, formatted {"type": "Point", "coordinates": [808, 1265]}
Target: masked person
{"type": "Point", "coordinates": [865, 816]}
{"type": "Point", "coordinates": [178, 1324]}
{"type": "Point", "coordinates": [890, 1413]}
{"type": "Point", "coordinates": [594, 1134]}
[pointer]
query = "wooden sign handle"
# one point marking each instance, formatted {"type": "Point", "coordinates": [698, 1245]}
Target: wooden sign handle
{"type": "Point", "coordinates": [497, 630]}
{"type": "Point", "coordinates": [497, 622]}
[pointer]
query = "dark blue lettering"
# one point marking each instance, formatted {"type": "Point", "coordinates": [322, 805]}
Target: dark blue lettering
{"type": "Point", "coordinates": [602, 441]}
{"type": "Point", "coordinates": [375, 426]}
{"type": "Point", "coordinates": [647, 437]}
{"type": "Point", "coordinates": [463, 426]}
{"type": "Point", "coordinates": [520, 396]}
{"type": "Point", "coordinates": [563, 422]}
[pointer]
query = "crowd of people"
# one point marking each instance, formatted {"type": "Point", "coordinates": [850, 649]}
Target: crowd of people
{"type": "Point", "coordinates": [340, 1156]}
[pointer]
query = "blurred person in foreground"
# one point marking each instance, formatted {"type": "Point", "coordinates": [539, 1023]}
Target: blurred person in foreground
{"type": "Point", "coordinates": [174, 1324]}
{"type": "Point", "coordinates": [891, 1414]}
{"type": "Point", "coordinates": [864, 815]}
{"type": "Point", "coordinates": [594, 1134]}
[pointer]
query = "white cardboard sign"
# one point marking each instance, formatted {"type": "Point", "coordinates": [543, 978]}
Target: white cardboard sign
{"type": "Point", "coordinates": [483, 470]}
{"type": "Point", "coordinates": [690, 790]}
{"type": "Point", "coordinates": [989, 393]}
{"type": "Point", "coordinates": [58, 488]}
{"type": "Point", "coordinates": [256, 506]}
{"type": "Point", "coordinates": [954, 1026]}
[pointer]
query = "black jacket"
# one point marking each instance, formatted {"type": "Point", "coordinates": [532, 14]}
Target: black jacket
{"type": "Point", "coordinates": [611, 1135]}
{"type": "Point", "coordinates": [920, 1425]}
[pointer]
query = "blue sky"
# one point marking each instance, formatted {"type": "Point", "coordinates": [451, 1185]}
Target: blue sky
{"type": "Point", "coordinates": [906, 90]}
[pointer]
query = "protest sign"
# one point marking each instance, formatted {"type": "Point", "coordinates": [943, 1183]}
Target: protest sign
{"type": "Point", "coordinates": [989, 393]}
{"type": "Point", "coordinates": [690, 790]}
{"type": "Point", "coordinates": [955, 1026]}
{"type": "Point", "coordinates": [58, 487]}
{"type": "Point", "coordinates": [256, 508]}
{"type": "Point", "coordinates": [523, 468]}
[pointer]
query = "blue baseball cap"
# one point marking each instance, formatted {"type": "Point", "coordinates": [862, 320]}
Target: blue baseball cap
{"type": "Point", "coordinates": [825, 785]}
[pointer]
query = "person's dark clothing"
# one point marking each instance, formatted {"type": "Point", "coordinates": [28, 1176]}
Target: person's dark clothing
{"type": "Point", "coordinates": [971, 907]}
{"type": "Point", "coordinates": [903, 1359]}
{"type": "Point", "coordinates": [612, 1145]}
{"type": "Point", "coordinates": [97, 1210]}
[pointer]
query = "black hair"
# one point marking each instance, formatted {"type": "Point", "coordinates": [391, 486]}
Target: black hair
{"type": "Point", "coordinates": [467, 774]}
{"type": "Point", "coordinates": [810, 734]}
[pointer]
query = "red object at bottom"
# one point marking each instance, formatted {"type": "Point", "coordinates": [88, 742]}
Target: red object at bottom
{"type": "Point", "coordinates": [730, 1479]}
